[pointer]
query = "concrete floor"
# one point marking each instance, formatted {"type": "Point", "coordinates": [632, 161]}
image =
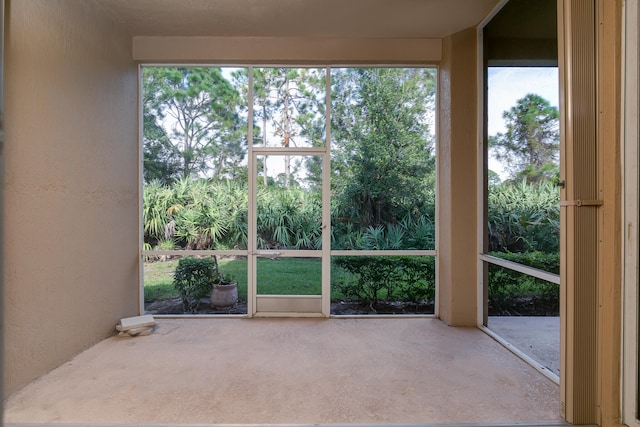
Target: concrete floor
{"type": "Point", "coordinates": [279, 371]}
{"type": "Point", "coordinates": [537, 336]}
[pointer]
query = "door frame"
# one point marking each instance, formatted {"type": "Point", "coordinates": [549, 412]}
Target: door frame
{"type": "Point", "coordinates": [290, 305]}
{"type": "Point", "coordinates": [631, 195]}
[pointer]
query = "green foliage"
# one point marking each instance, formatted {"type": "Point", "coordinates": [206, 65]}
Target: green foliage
{"type": "Point", "coordinates": [195, 214]}
{"type": "Point", "coordinates": [409, 233]}
{"type": "Point", "coordinates": [383, 167]}
{"type": "Point", "coordinates": [386, 278]}
{"type": "Point", "coordinates": [289, 107]}
{"type": "Point", "coordinates": [524, 217]}
{"type": "Point", "coordinates": [194, 279]}
{"type": "Point", "coordinates": [192, 123]}
{"type": "Point", "coordinates": [530, 147]}
{"type": "Point", "coordinates": [505, 286]}
{"type": "Point", "coordinates": [204, 214]}
{"type": "Point", "coordinates": [289, 276]}
{"type": "Point", "coordinates": [289, 218]}
{"type": "Point", "coordinates": [524, 227]}
{"type": "Point", "coordinates": [549, 262]}
{"type": "Point", "coordinates": [158, 291]}
{"type": "Point", "coordinates": [161, 157]}
{"type": "Point", "coordinates": [284, 276]}
{"type": "Point", "coordinates": [382, 149]}
{"type": "Point", "coordinates": [158, 280]}
{"type": "Point", "coordinates": [290, 102]}
{"type": "Point", "coordinates": [383, 172]}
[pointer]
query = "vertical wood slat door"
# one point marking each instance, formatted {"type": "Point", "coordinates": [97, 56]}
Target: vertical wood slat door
{"type": "Point", "coordinates": [579, 210]}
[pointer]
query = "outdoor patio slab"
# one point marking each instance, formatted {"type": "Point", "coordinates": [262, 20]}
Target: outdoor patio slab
{"type": "Point", "coordinates": [536, 336]}
{"type": "Point", "coordinates": [287, 371]}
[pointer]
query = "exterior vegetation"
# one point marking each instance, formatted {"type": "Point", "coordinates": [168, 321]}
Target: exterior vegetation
{"type": "Point", "coordinates": [531, 144]}
{"type": "Point", "coordinates": [515, 293]}
{"type": "Point", "coordinates": [388, 278]}
{"type": "Point", "coordinates": [280, 277]}
{"type": "Point", "coordinates": [382, 173]}
{"type": "Point", "coordinates": [523, 211]}
{"type": "Point", "coordinates": [194, 278]}
{"type": "Point", "coordinates": [524, 217]}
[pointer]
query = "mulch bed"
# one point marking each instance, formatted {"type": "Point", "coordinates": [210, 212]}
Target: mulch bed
{"type": "Point", "coordinates": [174, 306]}
{"type": "Point", "coordinates": [520, 306]}
{"type": "Point", "coordinates": [525, 306]}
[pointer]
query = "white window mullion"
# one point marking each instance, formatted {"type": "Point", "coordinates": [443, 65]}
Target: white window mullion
{"type": "Point", "coordinates": [251, 207]}
{"type": "Point", "coordinates": [140, 190]}
{"type": "Point", "coordinates": [326, 202]}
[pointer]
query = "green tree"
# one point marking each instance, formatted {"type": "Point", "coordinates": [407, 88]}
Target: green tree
{"type": "Point", "coordinates": [383, 163]}
{"type": "Point", "coordinates": [161, 158]}
{"type": "Point", "coordinates": [289, 105]}
{"type": "Point", "coordinates": [530, 146]}
{"type": "Point", "coordinates": [200, 111]}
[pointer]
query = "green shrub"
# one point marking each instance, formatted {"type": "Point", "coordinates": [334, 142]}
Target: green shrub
{"type": "Point", "coordinates": [194, 213]}
{"type": "Point", "coordinates": [541, 260]}
{"type": "Point", "coordinates": [289, 218]}
{"type": "Point", "coordinates": [377, 278]}
{"type": "Point", "coordinates": [411, 232]}
{"type": "Point", "coordinates": [524, 217]}
{"type": "Point", "coordinates": [507, 287]}
{"type": "Point", "coordinates": [194, 278]}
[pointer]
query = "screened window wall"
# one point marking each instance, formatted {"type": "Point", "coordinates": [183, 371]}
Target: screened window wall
{"type": "Point", "coordinates": [521, 256]}
{"type": "Point", "coordinates": [312, 189]}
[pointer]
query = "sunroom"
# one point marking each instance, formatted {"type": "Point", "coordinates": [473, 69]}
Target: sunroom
{"type": "Point", "coordinates": [74, 180]}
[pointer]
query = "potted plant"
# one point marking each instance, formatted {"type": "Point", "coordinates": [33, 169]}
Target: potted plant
{"type": "Point", "coordinates": [194, 279]}
{"type": "Point", "coordinates": [198, 278]}
{"type": "Point", "coordinates": [224, 293]}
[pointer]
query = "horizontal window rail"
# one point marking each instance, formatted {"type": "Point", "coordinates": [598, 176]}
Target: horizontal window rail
{"type": "Point", "coordinates": [302, 253]}
{"type": "Point", "coordinates": [188, 252]}
{"type": "Point", "coordinates": [290, 151]}
{"type": "Point", "coordinates": [520, 268]}
{"type": "Point", "coordinates": [291, 253]}
{"type": "Point", "coordinates": [384, 253]}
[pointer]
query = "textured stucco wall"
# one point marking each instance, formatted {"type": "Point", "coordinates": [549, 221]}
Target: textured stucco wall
{"type": "Point", "coordinates": [70, 184]}
{"type": "Point", "coordinates": [285, 50]}
{"type": "Point", "coordinates": [457, 180]}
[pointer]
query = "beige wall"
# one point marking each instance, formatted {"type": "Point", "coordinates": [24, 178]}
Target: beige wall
{"type": "Point", "coordinates": [70, 184]}
{"type": "Point", "coordinates": [286, 50]}
{"type": "Point", "coordinates": [457, 180]}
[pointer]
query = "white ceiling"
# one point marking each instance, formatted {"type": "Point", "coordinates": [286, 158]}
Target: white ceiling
{"type": "Point", "coordinates": [298, 18]}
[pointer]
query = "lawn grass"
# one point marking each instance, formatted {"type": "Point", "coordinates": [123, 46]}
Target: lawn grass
{"type": "Point", "coordinates": [281, 276]}
{"type": "Point", "coordinates": [289, 276]}
{"type": "Point", "coordinates": [158, 280]}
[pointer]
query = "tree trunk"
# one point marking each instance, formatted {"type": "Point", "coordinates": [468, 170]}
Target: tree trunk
{"type": "Point", "coordinates": [287, 134]}
{"type": "Point", "coordinates": [264, 142]}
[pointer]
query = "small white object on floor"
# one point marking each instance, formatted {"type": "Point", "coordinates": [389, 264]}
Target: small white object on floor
{"type": "Point", "coordinates": [136, 326]}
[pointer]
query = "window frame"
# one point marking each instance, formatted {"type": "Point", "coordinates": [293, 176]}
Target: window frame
{"type": "Point", "coordinates": [251, 149]}
{"type": "Point", "coordinates": [630, 160]}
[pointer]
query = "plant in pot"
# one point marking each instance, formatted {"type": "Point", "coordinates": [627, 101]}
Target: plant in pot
{"type": "Point", "coordinates": [194, 279]}
{"type": "Point", "coordinates": [197, 278]}
{"type": "Point", "coordinates": [225, 292]}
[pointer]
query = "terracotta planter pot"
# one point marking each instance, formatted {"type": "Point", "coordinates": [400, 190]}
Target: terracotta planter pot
{"type": "Point", "coordinates": [224, 296]}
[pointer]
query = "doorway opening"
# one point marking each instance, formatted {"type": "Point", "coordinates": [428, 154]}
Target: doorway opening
{"type": "Point", "coordinates": [520, 217]}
